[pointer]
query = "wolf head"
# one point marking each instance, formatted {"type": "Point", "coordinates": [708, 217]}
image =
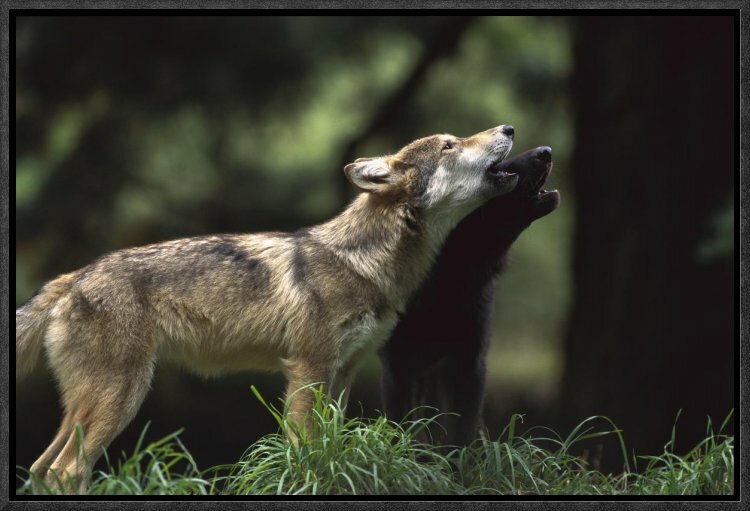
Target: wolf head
{"type": "Point", "coordinates": [528, 201]}
{"type": "Point", "coordinates": [440, 172]}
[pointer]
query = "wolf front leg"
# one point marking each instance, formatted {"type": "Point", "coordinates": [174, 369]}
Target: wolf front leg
{"type": "Point", "coordinates": [299, 395]}
{"type": "Point", "coordinates": [398, 384]}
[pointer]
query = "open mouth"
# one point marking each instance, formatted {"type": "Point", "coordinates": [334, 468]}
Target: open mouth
{"type": "Point", "coordinates": [495, 169]}
{"type": "Point", "coordinates": [536, 189]}
{"type": "Point", "coordinates": [548, 199]}
{"type": "Point", "coordinates": [498, 173]}
{"type": "Point", "coordinates": [533, 168]}
{"type": "Point", "coordinates": [540, 195]}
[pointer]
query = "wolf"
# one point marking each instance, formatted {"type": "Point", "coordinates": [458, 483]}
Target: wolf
{"type": "Point", "coordinates": [435, 356]}
{"type": "Point", "coordinates": [308, 303]}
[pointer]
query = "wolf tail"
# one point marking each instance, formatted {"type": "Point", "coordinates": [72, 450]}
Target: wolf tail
{"type": "Point", "coordinates": [31, 323]}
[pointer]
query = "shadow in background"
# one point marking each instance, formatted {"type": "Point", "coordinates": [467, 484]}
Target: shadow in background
{"type": "Point", "coordinates": [651, 330]}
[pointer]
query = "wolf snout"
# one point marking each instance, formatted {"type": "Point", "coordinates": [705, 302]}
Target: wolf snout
{"type": "Point", "coordinates": [508, 130]}
{"type": "Point", "coordinates": [544, 154]}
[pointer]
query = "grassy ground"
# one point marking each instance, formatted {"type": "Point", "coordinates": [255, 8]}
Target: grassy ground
{"type": "Point", "coordinates": [378, 457]}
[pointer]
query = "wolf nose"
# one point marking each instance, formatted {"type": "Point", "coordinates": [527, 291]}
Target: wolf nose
{"type": "Point", "coordinates": [544, 153]}
{"type": "Point", "coordinates": [508, 130]}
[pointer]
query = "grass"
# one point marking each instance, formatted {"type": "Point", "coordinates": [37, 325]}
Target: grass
{"type": "Point", "coordinates": [354, 456]}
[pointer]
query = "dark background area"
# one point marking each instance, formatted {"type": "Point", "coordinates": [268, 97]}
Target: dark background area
{"type": "Point", "coordinates": [132, 130]}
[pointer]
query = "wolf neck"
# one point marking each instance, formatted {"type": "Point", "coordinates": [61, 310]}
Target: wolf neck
{"type": "Point", "coordinates": [390, 244]}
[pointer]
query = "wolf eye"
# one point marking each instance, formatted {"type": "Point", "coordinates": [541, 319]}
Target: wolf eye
{"type": "Point", "coordinates": [448, 145]}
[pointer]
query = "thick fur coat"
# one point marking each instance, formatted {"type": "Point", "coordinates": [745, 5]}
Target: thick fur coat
{"type": "Point", "coordinates": [308, 303]}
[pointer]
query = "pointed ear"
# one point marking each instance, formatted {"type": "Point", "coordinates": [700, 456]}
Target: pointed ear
{"type": "Point", "coordinates": [369, 174]}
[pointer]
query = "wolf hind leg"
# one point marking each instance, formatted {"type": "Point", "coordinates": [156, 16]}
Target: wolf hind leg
{"type": "Point", "coordinates": [41, 465]}
{"type": "Point", "coordinates": [102, 410]}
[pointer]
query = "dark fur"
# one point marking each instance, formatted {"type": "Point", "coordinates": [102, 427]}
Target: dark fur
{"type": "Point", "coordinates": [436, 354]}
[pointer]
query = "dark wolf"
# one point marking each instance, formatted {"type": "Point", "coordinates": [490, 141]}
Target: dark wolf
{"type": "Point", "coordinates": [436, 354]}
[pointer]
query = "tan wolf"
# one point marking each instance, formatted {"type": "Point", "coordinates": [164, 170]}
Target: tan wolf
{"type": "Point", "coordinates": [308, 303]}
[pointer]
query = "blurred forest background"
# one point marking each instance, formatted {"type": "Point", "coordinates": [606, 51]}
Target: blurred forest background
{"type": "Point", "coordinates": [132, 130]}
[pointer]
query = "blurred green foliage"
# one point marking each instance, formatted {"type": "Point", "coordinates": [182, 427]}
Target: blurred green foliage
{"type": "Point", "coordinates": [719, 243]}
{"type": "Point", "coordinates": [231, 152]}
{"type": "Point", "coordinates": [138, 130]}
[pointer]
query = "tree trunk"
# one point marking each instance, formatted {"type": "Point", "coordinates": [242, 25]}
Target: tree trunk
{"type": "Point", "coordinates": [651, 330]}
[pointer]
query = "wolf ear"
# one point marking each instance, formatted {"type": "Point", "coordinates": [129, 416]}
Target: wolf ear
{"type": "Point", "coordinates": [369, 174]}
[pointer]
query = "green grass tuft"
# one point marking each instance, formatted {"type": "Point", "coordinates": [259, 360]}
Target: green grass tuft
{"type": "Point", "coordinates": [164, 467]}
{"type": "Point", "coordinates": [354, 456]}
